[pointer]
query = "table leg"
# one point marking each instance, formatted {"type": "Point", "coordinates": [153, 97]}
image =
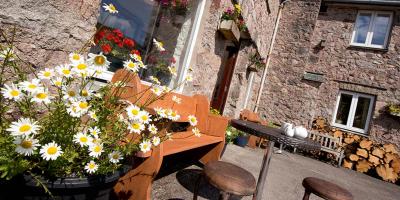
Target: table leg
{"type": "Point", "coordinates": [264, 169]}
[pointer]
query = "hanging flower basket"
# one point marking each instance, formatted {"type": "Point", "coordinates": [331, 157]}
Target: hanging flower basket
{"type": "Point", "coordinates": [229, 29]}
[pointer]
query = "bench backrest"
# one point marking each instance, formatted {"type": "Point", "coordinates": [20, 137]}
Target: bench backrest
{"type": "Point", "coordinates": [326, 141]}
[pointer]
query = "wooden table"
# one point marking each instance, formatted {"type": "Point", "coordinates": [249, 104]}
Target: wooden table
{"type": "Point", "coordinates": [272, 135]}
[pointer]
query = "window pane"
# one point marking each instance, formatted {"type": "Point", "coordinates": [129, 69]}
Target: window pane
{"type": "Point", "coordinates": [362, 25]}
{"type": "Point", "coordinates": [343, 111]}
{"type": "Point", "coordinates": [381, 27]}
{"type": "Point", "coordinates": [360, 117]}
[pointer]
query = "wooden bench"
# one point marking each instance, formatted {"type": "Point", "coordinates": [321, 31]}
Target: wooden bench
{"type": "Point", "coordinates": [137, 183]}
{"type": "Point", "coordinates": [329, 144]}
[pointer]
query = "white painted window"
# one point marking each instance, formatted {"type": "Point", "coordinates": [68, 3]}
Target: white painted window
{"type": "Point", "coordinates": [372, 29]}
{"type": "Point", "coordinates": [143, 20]}
{"type": "Point", "coordinates": [353, 111]}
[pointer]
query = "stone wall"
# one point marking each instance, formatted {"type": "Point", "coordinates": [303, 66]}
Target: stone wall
{"type": "Point", "coordinates": [48, 30]}
{"type": "Point", "coordinates": [290, 98]}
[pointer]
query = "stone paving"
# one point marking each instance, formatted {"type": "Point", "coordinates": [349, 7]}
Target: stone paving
{"type": "Point", "coordinates": [284, 179]}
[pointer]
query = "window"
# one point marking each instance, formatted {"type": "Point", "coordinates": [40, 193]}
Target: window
{"type": "Point", "coordinates": [145, 20]}
{"type": "Point", "coordinates": [353, 111]}
{"type": "Point", "coordinates": [372, 29]}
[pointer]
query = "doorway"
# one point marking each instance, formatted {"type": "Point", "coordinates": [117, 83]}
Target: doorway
{"type": "Point", "coordinates": [224, 81]}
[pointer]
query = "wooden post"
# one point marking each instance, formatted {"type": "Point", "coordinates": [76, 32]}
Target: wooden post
{"type": "Point", "coordinates": [264, 170]}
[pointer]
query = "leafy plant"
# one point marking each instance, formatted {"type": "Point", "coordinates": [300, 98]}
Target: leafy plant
{"type": "Point", "coordinates": [54, 123]}
{"type": "Point", "coordinates": [232, 133]}
{"type": "Point", "coordinates": [235, 15]}
{"type": "Point", "coordinates": [393, 108]}
{"type": "Point", "coordinates": [256, 60]}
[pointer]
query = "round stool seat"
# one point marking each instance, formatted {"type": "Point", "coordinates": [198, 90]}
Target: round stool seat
{"type": "Point", "coordinates": [325, 189]}
{"type": "Point", "coordinates": [230, 178]}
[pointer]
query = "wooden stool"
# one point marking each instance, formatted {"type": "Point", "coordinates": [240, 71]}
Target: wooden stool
{"type": "Point", "coordinates": [228, 178]}
{"type": "Point", "coordinates": [324, 189]}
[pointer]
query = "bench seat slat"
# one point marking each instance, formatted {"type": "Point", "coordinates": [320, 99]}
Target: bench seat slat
{"type": "Point", "coordinates": [184, 141]}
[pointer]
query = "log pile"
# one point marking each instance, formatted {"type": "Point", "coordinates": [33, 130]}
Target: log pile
{"type": "Point", "coordinates": [363, 154]}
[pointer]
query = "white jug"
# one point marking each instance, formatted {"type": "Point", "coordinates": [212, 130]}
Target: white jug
{"type": "Point", "coordinates": [289, 131]}
{"type": "Point", "coordinates": [300, 132]}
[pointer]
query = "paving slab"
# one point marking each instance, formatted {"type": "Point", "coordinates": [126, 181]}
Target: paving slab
{"type": "Point", "coordinates": [284, 178]}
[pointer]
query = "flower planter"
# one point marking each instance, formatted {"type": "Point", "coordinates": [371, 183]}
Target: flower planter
{"type": "Point", "coordinates": [85, 188]}
{"type": "Point", "coordinates": [394, 114]}
{"type": "Point", "coordinates": [242, 141]}
{"type": "Point", "coordinates": [229, 29]}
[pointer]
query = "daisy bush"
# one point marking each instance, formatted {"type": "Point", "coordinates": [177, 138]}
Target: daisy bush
{"type": "Point", "coordinates": [54, 123]}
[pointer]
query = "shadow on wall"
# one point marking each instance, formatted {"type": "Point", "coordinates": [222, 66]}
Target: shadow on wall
{"type": "Point", "coordinates": [388, 127]}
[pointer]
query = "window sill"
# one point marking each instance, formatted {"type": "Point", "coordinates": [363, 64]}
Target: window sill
{"type": "Point", "coordinates": [352, 131]}
{"type": "Point", "coordinates": [356, 47]}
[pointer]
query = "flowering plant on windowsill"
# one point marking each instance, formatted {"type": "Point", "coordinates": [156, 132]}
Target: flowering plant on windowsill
{"type": "Point", "coordinates": [235, 15]}
{"type": "Point", "coordinates": [113, 42]}
{"type": "Point", "coordinates": [394, 109]}
{"type": "Point", "coordinates": [178, 7]}
{"type": "Point", "coordinates": [53, 124]}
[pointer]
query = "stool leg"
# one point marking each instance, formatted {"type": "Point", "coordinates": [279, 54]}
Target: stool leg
{"type": "Point", "coordinates": [196, 187]}
{"type": "Point", "coordinates": [306, 195]}
{"type": "Point", "coordinates": [224, 196]}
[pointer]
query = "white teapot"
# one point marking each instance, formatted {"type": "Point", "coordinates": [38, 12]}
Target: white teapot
{"type": "Point", "coordinates": [289, 131]}
{"type": "Point", "coordinates": [284, 125]}
{"type": "Point", "coordinates": [300, 132]}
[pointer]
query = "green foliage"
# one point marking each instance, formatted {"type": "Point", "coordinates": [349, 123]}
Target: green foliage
{"type": "Point", "coordinates": [232, 133]}
{"type": "Point", "coordinates": [214, 111]}
{"type": "Point", "coordinates": [393, 108]}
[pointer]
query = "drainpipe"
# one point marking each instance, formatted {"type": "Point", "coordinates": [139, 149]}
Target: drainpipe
{"type": "Point", "coordinates": [269, 54]}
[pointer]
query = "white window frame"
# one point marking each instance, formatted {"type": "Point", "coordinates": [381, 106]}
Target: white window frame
{"type": "Point", "coordinates": [353, 106]}
{"type": "Point", "coordinates": [370, 34]}
{"type": "Point", "coordinates": [182, 70]}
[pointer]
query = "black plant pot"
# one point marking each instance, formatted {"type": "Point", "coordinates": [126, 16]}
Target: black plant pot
{"type": "Point", "coordinates": [87, 188]}
{"type": "Point", "coordinates": [242, 141]}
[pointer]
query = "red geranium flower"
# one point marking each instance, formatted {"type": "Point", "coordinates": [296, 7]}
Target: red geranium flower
{"type": "Point", "coordinates": [110, 37]}
{"type": "Point", "coordinates": [128, 42]}
{"type": "Point", "coordinates": [117, 40]}
{"type": "Point", "coordinates": [135, 51]}
{"type": "Point", "coordinates": [100, 35]}
{"type": "Point", "coordinates": [118, 33]}
{"type": "Point", "coordinates": [106, 48]}
{"type": "Point", "coordinates": [120, 44]}
{"type": "Point", "coordinates": [172, 60]}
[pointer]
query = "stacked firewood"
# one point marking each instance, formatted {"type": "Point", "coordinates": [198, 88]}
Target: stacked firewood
{"type": "Point", "coordinates": [363, 154]}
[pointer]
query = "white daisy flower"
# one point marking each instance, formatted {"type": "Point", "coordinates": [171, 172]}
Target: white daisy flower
{"type": "Point", "coordinates": [95, 141]}
{"type": "Point", "coordinates": [153, 129]}
{"type": "Point", "coordinates": [228, 133]}
{"type": "Point", "coordinates": [160, 112]}
{"type": "Point", "coordinates": [31, 86]}
{"type": "Point", "coordinates": [23, 127]}
{"type": "Point", "coordinates": [131, 66]}
{"type": "Point", "coordinates": [141, 64]}
{"type": "Point", "coordinates": [96, 149]}
{"type": "Point", "coordinates": [70, 93]}
{"type": "Point", "coordinates": [133, 112]}
{"type": "Point", "coordinates": [98, 61]}
{"type": "Point", "coordinates": [136, 57]}
{"type": "Point", "coordinates": [82, 139]}
{"type": "Point", "coordinates": [156, 141]}
{"type": "Point", "coordinates": [75, 58]}
{"type": "Point", "coordinates": [192, 120]}
{"type": "Point", "coordinates": [144, 117]}
{"type": "Point", "coordinates": [11, 92]}
{"type": "Point", "coordinates": [7, 53]}
{"type": "Point", "coordinates": [110, 8]}
{"type": "Point", "coordinates": [176, 99]}
{"type": "Point", "coordinates": [64, 70]}
{"type": "Point", "coordinates": [166, 89]}
{"type": "Point", "coordinates": [155, 80]}
{"type": "Point", "coordinates": [172, 70]}
{"type": "Point", "coordinates": [95, 131]}
{"type": "Point", "coordinates": [86, 93]}
{"type": "Point", "coordinates": [50, 151]}
{"type": "Point", "coordinates": [81, 69]}
{"type": "Point", "coordinates": [91, 167]}
{"type": "Point", "coordinates": [156, 90]}
{"type": "Point", "coordinates": [196, 132]}
{"type": "Point", "coordinates": [82, 106]}
{"type": "Point", "coordinates": [159, 45]}
{"type": "Point", "coordinates": [136, 127]}
{"type": "Point", "coordinates": [41, 96]}
{"type": "Point", "coordinates": [26, 146]}
{"type": "Point", "coordinates": [189, 78]}
{"type": "Point", "coordinates": [173, 115]}
{"type": "Point", "coordinates": [93, 116]}
{"type": "Point", "coordinates": [115, 157]}
{"type": "Point", "coordinates": [145, 146]}
{"type": "Point", "coordinates": [58, 82]}
{"type": "Point", "coordinates": [46, 74]}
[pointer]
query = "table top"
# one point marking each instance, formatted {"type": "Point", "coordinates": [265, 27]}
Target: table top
{"type": "Point", "coordinates": [274, 134]}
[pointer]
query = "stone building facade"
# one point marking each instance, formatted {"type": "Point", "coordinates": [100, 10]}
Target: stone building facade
{"type": "Point", "coordinates": [289, 97]}
{"type": "Point", "coordinates": [48, 30]}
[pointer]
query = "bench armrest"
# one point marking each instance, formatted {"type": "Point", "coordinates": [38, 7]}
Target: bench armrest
{"type": "Point", "coordinates": [217, 125]}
